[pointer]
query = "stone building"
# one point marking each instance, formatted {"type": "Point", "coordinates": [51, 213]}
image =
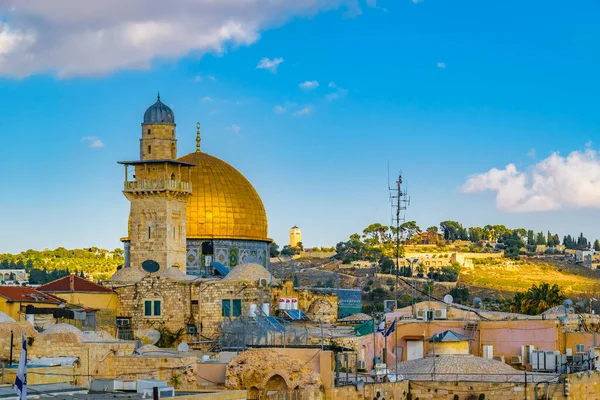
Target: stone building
{"type": "Point", "coordinates": [295, 236]}
{"type": "Point", "coordinates": [172, 300]}
{"type": "Point", "coordinates": [192, 211]}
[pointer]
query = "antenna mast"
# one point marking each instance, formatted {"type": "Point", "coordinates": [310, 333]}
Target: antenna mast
{"type": "Point", "coordinates": [399, 201]}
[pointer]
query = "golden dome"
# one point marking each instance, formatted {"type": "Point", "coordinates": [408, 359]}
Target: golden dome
{"type": "Point", "coordinates": [223, 204]}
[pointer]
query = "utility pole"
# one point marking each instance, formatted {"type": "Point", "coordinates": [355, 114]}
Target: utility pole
{"type": "Point", "coordinates": [399, 202]}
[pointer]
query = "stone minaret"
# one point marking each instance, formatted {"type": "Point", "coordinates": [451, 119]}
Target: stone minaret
{"type": "Point", "coordinates": [158, 191]}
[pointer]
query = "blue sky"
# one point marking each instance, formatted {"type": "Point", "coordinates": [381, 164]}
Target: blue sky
{"type": "Point", "coordinates": [448, 92]}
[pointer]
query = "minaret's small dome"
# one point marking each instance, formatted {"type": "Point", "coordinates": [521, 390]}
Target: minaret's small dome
{"type": "Point", "coordinates": [159, 113]}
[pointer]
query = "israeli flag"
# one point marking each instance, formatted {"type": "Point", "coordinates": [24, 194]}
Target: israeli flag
{"type": "Point", "coordinates": [391, 329]}
{"type": "Point", "coordinates": [20, 385]}
{"type": "Point", "coordinates": [381, 327]}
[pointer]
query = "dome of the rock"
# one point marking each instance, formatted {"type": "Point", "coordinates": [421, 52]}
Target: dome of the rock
{"type": "Point", "coordinates": [223, 204]}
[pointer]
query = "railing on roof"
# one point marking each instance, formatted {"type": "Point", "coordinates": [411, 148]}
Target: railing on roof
{"type": "Point", "coordinates": [157, 186]}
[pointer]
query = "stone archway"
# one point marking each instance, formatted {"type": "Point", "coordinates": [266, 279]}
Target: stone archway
{"type": "Point", "coordinates": [253, 393]}
{"type": "Point", "coordinates": [276, 388]}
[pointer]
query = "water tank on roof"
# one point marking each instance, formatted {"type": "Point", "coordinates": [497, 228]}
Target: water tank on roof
{"type": "Point", "coordinates": [282, 303]}
{"type": "Point", "coordinates": [252, 310]}
{"type": "Point", "coordinates": [294, 304]}
{"type": "Point", "coordinates": [266, 308]}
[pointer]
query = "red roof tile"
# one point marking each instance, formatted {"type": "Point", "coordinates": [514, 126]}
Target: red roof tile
{"type": "Point", "coordinates": [73, 283]}
{"type": "Point", "coordinates": [27, 294]}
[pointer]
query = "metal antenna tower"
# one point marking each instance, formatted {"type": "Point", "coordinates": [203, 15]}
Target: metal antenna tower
{"type": "Point", "coordinates": [399, 201]}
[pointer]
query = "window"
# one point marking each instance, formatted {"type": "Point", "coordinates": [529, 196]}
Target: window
{"type": "Point", "coordinates": [152, 308]}
{"type": "Point", "coordinates": [225, 308]}
{"type": "Point", "coordinates": [579, 348]}
{"type": "Point", "coordinates": [123, 321]}
{"type": "Point", "coordinates": [149, 232]}
{"type": "Point", "coordinates": [237, 307]}
{"type": "Point", "coordinates": [149, 149]}
{"type": "Point", "coordinates": [231, 308]}
{"type": "Point", "coordinates": [149, 131]}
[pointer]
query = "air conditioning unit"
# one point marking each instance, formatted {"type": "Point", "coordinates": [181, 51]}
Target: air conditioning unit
{"type": "Point", "coordinates": [192, 329]}
{"type": "Point", "coordinates": [440, 314]}
{"type": "Point", "coordinates": [422, 314]}
{"type": "Point", "coordinates": [488, 352]}
{"type": "Point", "coordinates": [263, 282]}
{"type": "Point", "coordinates": [526, 352]}
{"type": "Point", "coordinates": [516, 360]}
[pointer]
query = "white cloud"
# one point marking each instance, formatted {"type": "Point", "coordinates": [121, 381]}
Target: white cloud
{"type": "Point", "coordinates": [200, 78]}
{"type": "Point", "coordinates": [207, 99]}
{"type": "Point", "coordinates": [338, 94]}
{"type": "Point", "coordinates": [309, 85]}
{"type": "Point", "coordinates": [554, 183]}
{"type": "Point", "coordinates": [268, 64]}
{"type": "Point", "coordinates": [441, 65]}
{"type": "Point", "coordinates": [279, 110]}
{"type": "Point", "coordinates": [93, 141]}
{"type": "Point", "coordinates": [416, 1]}
{"type": "Point", "coordinates": [372, 3]}
{"type": "Point", "coordinates": [332, 85]}
{"type": "Point", "coordinates": [234, 128]}
{"type": "Point", "coordinates": [97, 37]}
{"type": "Point", "coordinates": [304, 111]}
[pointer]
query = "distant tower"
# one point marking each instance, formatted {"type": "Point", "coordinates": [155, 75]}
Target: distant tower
{"type": "Point", "coordinates": [295, 236]}
{"type": "Point", "coordinates": [158, 193]}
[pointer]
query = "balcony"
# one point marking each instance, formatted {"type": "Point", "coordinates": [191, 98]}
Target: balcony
{"type": "Point", "coordinates": [157, 186]}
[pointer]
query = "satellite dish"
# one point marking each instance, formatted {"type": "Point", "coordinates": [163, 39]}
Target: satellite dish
{"type": "Point", "coordinates": [477, 302]}
{"type": "Point", "coordinates": [150, 266]}
{"type": "Point", "coordinates": [568, 303]}
{"type": "Point", "coordinates": [149, 336]}
{"type": "Point", "coordinates": [360, 384]}
{"type": "Point", "coordinates": [183, 347]}
{"type": "Point", "coordinates": [448, 299]}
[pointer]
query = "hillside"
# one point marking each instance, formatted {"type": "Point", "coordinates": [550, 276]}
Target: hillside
{"type": "Point", "coordinates": [508, 276]}
{"type": "Point", "coordinates": [47, 264]}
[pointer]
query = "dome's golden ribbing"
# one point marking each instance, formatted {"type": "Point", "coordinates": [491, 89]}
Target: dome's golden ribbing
{"type": "Point", "coordinates": [223, 204]}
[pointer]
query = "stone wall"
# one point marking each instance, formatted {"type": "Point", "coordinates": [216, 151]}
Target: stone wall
{"type": "Point", "coordinates": [176, 297]}
{"type": "Point", "coordinates": [377, 391]}
{"type": "Point", "coordinates": [580, 386]}
{"type": "Point", "coordinates": [211, 295]}
{"type": "Point", "coordinates": [43, 375]}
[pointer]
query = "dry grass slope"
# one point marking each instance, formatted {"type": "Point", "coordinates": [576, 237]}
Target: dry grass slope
{"type": "Point", "coordinates": [514, 276]}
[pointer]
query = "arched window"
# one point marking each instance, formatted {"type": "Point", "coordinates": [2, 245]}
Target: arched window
{"type": "Point", "coordinates": [149, 232]}
{"type": "Point", "coordinates": [148, 131]}
{"type": "Point", "coordinates": [149, 149]}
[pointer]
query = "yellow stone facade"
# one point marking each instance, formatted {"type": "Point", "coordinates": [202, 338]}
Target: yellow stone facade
{"type": "Point", "coordinates": [295, 236]}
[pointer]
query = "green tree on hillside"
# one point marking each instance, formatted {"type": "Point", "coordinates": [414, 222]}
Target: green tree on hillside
{"type": "Point", "coordinates": [596, 245]}
{"type": "Point", "coordinates": [273, 249]}
{"type": "Point", "coordinates": [530, 238]}
{"type": "Point", "coordinates": [409, 229]}
{"type": "Point", "coordinates": [537, 299]}
{"type": "Point", "coordinates": [433, 229]}
{"type": "Point", "coordinates": [540, 239]}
